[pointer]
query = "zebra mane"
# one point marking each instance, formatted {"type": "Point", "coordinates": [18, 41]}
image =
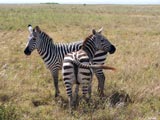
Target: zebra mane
{"type": "Point", "coordinates": [42, 33]}
{"type": "Point", "coordinates": [87, 38]}
{"type": "Point", "coordinates": [46, 35]}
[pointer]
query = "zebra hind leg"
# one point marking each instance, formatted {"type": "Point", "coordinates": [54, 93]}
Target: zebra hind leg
{"type": "Point", "coordinates": [70, 104]}
{"type": "Point", "coordinates": [85, 89]}
{"type": "Point", "coordinates": [86, 98]}
{"type": "Point", "coordinates": [70, 97]}
{"type": "Point", "coordinates": [89, 91]}
{"type": "Point", "coordinates": [76, 97]}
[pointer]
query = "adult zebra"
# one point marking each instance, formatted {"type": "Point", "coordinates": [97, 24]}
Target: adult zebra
{"type": "Point", "coordinates": [77, 66]}
{"type": "Point", "coordinates": [53, 55]}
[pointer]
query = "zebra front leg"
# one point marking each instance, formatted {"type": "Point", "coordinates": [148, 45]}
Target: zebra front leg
{"type": "Point", "coordinates": [101, 81]}
{"type": "Point", "coordinates": [55, 80]}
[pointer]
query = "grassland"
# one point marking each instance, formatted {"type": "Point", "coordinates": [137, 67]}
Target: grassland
{"type": "Point", "coordinates": [26, 87]}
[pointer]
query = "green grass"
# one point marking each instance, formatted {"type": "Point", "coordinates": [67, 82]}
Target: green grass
{"type": "Point", "coordinates": [26, 85]}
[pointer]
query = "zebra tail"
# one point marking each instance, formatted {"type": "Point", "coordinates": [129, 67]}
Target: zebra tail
{"type": "Point", "coordinates": [93, 66]}
{"type": "Point", "coordinates": [103, 67]}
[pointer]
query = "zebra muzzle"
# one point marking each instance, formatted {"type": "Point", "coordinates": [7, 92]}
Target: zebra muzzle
{"type": "Point", "coordinates": [112, 49]}
{"type": "Point", "coordinates": [27, 51]}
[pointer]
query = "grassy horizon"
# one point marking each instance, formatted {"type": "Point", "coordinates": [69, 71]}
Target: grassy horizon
{"type": "Point", "coordinates": [26, 86]}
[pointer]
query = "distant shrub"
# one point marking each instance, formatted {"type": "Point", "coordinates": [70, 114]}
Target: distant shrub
{"type": "Point", "coordinates": [50, 3]}
{"type": "Point", "coordinates": [9, 112]}
{"type": "Point", "coordinates": [84, 4]}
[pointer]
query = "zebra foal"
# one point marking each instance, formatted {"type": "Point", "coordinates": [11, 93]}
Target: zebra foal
{"type": "Point", "coordinates": [53, 54]}
{"type": "Point", "coordinates": [78, 66]}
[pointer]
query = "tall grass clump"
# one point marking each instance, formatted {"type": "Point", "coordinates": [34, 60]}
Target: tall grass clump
{"type": "Point", "coordinates": [9, 112]}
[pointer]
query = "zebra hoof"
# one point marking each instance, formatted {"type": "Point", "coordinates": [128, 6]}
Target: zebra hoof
{"type": "Point", "coordinates": [101, 94]}
{"type": "Point", "coordinates": [56, 95]}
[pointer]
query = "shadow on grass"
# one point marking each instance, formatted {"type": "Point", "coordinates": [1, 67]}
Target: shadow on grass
{"type": "Point", "coordinates": [116, 99]}
{"type": "Point", "coordinates": [88, 109]}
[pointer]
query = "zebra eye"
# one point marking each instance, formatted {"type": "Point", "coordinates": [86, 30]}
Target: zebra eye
{"type": "Point", "coordinates": [102, 40]}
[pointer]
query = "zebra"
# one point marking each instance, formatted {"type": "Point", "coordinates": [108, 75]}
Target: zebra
{"type": "Point", "coordinates": [53, 55]}
{"type": "Point", "coordinates": [78, 66]}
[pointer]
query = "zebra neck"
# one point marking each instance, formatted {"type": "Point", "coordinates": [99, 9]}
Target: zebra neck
{"type": "Point", "coordinates": [90, 49]}
{"type": "Point", "coordinates": [45, 47]}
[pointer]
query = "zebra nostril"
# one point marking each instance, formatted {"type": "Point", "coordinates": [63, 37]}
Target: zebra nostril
{"type": "Point", "coordinates": [27, 51]}
{"type": "Point", "coordinates": [112, 49]}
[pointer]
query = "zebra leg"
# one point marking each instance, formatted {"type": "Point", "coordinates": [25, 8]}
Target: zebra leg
{"type": "Point", "coordinates": [85, 89]}
{"type": "Point", "coordinates": [90, 86]}
{"type": "Point", "coordinates": [76, 98]}
{"type": "Point", "coordinates": [70, 103]}
{"type": "Point", "coordinates": [70, 98]}
{"type": "Point", "coordinates": [89, 90]}
{"type": "Point", "coordinates": [101, 81]}
{"type": "Point", "coordinates": [55, 80]}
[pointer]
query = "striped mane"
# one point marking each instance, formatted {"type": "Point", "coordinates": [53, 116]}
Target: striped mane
{"type": "Point", "coordinates": [37, 29]}
{"type": "Point", "coordinates": [46, 35]}
{"type": "Point", "coordinates": [87, 38]}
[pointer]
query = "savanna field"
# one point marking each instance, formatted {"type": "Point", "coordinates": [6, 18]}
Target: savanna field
{"type": "Point", "coordinates": [26, 86]}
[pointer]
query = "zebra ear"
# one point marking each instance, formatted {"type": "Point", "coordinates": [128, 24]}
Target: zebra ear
{"type": "Point", "coordinates": [100, 30]}
{"type": "Point", "coordinates": [94, 31]}
{"type": "Point", "coordinates": [30, 28]}
{"type": "Point", "coordinates": [37, 29]}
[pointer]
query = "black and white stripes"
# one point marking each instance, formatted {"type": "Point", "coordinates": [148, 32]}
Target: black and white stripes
{"type": "Point", "coordinates": [78, 66]}
{"type": "Point", "coordinates": [53, 54]}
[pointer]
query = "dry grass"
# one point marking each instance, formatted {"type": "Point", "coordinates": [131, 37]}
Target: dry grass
{"type": "Point", "coordinates": [25, 83]}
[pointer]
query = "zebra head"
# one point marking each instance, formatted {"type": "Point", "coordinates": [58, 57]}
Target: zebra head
{"type": "Point", "coordinates": [102, 43]}
{"type": "Point", "coordinates": [33, 39]}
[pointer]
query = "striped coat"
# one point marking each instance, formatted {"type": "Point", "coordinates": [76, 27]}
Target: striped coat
{"type": "Point", "coordinates": [77, 66]}
{"type": "Point", "coordinates": [53, 54]}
